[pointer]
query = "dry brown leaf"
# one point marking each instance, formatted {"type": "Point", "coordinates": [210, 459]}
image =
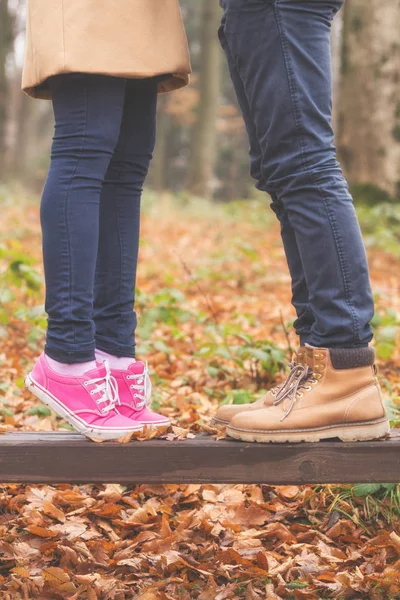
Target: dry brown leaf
{"type": "Point", "coordinates": [51, 510]}
{"type": "Point", "coordinates": [288, 491]}
{"type": "Point", "coordinates": [396, 540]}
{"type": "Point", "coordinates": [41, 531]}
{"type": "Point", "coordinates": [21, 572]}
{"type": "Point", "coordinates": [58, 579]}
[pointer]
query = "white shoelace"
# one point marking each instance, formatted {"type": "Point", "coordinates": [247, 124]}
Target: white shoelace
{"type": "Point", "coordinates": [108, 387]}
{"type": "Point", "coordinates": [142, 387]}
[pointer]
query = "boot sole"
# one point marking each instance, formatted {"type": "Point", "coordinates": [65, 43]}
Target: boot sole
{"type": "Point", "coordinates": [217, 423]}
{"type": "Point", "coordinates": [97, 433]}
{"type": "Point", "coordinates": [354, 432]}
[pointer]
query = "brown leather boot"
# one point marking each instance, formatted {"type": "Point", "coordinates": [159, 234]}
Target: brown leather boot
{"type": "Point", "coordinates": [327, 397]}
{"type": "Point", "coordinates": [226, 413]}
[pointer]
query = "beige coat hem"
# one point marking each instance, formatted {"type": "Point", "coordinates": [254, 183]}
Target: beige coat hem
{"type": "Point", "coordinates": [128, 38]}
{"type": "Point", "coordinates": [172, 81]}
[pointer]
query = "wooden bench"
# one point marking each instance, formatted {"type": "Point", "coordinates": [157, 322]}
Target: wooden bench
{"type": "Point", "coordinates": [66, 457]}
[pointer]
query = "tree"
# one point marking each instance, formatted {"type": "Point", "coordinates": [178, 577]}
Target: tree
{"type": "Point", "coordinates": [369, 103]}
{"type": "Point", "coordinates": [203, 152]}
{"type": "Point", "coordinates": [6, 45]}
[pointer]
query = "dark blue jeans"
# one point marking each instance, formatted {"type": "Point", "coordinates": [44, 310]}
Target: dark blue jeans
{"type": "Point", "coordinates": [90, 212]}
{"type": "Point", "coordinates": [279, 59]}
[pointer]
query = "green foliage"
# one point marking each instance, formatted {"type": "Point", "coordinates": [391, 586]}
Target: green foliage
{"type": "Point", "coordinates": [296, 585]}
{"type": "Point", "coordinates": [20, 271]}
{"type": "Point", "coordinates": [240, 354]}
{"type": "Point", "coordinates": [386, 326]}
{"type": "Point", "coordinates": [368, 501]}
{"type": "Point", "coordinates": [18, 277]}
{"type": "Point", "coordinates": [40, 410]}
{"type": "Point", "coordinates": [396, 133]}
{"type": "Point", "coordinates": [239, 397]}
{"type": "Point", "coordinates": [368, 194]}
{"type": "Point", "coordinates": [163, 307]}
{"type": "Point", "coordinates": [381, 226]}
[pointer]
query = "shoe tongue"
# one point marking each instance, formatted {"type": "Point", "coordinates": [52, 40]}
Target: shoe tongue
{"type": "Point", "coordinates": [100, 371]}
{"type": "Point", "coordinates": [298, 355]}
{"type": "Point", "coordinates": [137, 367]}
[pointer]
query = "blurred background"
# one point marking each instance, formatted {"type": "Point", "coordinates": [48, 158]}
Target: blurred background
{"type": "Point", "coordinates": [215, 323]}
{"type": "Point", "coordinates": [202, 147]}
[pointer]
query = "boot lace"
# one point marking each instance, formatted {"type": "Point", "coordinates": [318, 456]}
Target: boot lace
{"type": "Point", "coordinates": [108, 388]}
{"type": "Point", "coordinates": [299, 378]}
{"type": "Point", "coordinates": [142, 387]}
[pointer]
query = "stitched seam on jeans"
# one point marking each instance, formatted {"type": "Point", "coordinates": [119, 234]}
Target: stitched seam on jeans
{"type": "Point", "coordinates": [119, 228]}
{"type": "Point", "coordinates": [332, 221]}
{"type": "Point", "coordinates": [66, 205]}
{"type": "Point", "coordinates": [120, 277]}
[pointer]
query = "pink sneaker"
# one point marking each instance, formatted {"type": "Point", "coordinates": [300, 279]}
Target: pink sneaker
{"type": "Point", "coordinates": [88, 403]}
{"type": "Point", "coordinates": [134, 388]}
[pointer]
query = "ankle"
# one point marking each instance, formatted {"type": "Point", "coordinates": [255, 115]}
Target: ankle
{"type": "Point", "coordinates": [121, 363]}
{"type": "Point", "coordinates": [352, 358]}
{"type": "Point", "coordinates": [70, 370]}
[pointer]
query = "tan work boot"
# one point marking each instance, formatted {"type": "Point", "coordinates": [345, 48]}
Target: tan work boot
{"type": "Point", "coordinates": [226, 413]}
{"type": "Point", "coordinates": [327, 397]}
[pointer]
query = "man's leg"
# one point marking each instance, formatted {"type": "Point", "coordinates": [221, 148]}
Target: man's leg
{"type": "Point", "coordinates": [300, 301]}
{"type": "Point", "coordinates": [300, 298]}
{"type": "Point", "coordinates": [281, 50]}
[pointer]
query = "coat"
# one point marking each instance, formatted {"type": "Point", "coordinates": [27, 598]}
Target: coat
{"type": "Point", "coordinates": [122, 38]}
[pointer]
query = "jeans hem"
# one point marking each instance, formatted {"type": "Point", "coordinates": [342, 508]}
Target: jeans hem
{"type": "Point", "coordinates": [70, 357]}
{"type": "Point", "coordinates": [116, 350]}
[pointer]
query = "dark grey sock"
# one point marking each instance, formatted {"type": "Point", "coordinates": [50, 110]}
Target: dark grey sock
{"type": "Point", "coordinates": [351, 358]}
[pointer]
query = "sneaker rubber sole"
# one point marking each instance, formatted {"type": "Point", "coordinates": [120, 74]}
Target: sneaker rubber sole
{"type": "Point", "coordinates": [353, 432]}
{"type": "Point", "coordinates": [160, 427]}
{"type": "Point", "coordinates": [92, 432]}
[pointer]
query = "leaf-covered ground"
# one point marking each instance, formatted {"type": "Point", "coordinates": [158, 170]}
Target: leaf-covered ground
{"type": "Point", "coordinates": [215, 314]}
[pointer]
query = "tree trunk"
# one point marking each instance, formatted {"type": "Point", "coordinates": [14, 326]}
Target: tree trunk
{"type": "Point", "coordinates": [203, 152]}
{"type": "Point", "coordinates": [6, 43]}
{"type": "Point", "coordinates": [25, 145]}
{"type": "Point", "coordinates": [369, 103]}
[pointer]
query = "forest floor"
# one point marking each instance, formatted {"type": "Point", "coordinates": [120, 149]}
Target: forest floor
{"type": "Point", "coordinates": [214, 323]}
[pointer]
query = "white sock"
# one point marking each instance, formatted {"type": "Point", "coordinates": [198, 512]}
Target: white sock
{"type": "Point", "coordinates": [116, 362]}
{"type": "Point", "coordinates": [74, 370]}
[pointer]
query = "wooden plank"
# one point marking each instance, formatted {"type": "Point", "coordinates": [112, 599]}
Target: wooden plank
{"type": "Point", "coordinates": [66, 457]}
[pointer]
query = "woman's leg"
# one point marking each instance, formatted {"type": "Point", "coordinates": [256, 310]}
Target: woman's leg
{"type": "Point", "coordinates": [88, 112]}
{"type": "Point", "coordinates": [114, 315]}
{"type": "Point", "coordinates": [117, 257]}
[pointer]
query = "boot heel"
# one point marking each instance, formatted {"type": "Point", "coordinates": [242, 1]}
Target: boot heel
{"type": "Point", "coordinates": [365, 432]}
